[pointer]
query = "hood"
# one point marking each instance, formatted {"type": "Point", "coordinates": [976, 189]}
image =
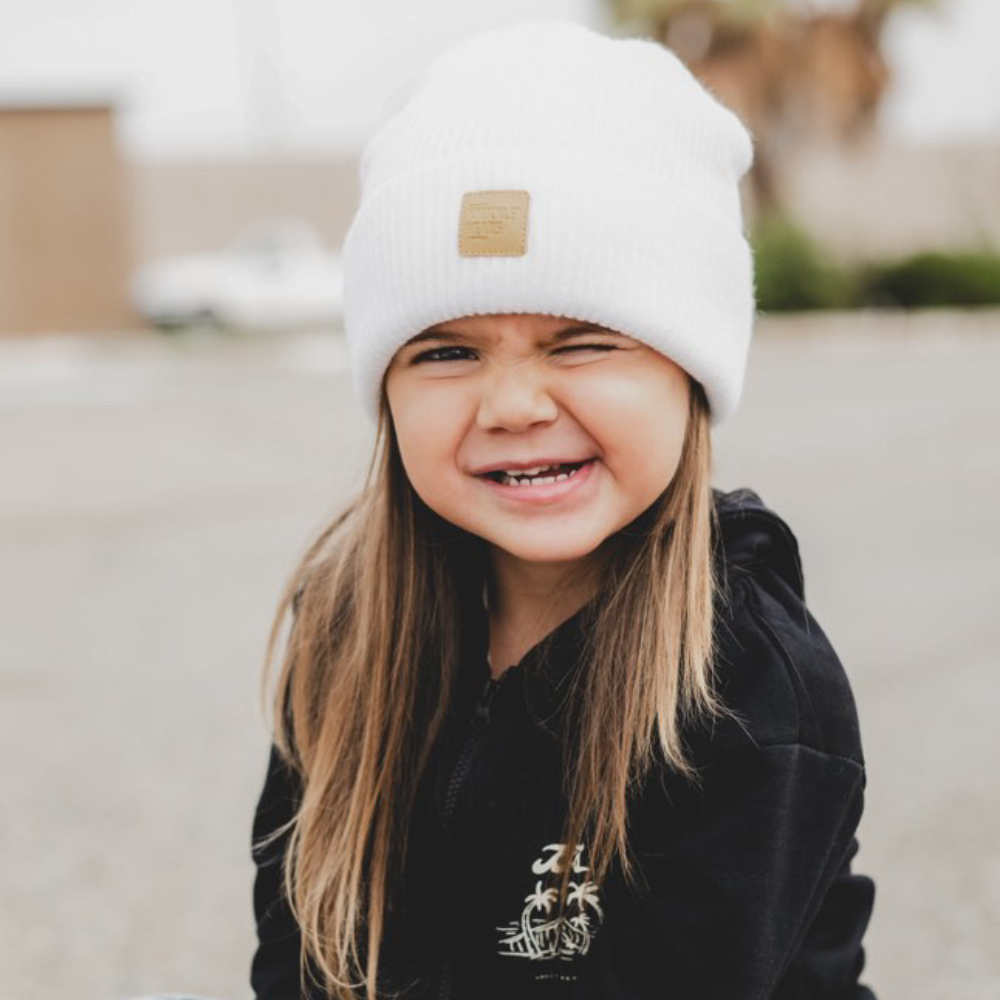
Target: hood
{"type": "Point", "coordinates": [751, 533]}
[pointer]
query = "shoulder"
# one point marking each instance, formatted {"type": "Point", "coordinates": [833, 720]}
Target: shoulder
{"type": "Point", "coordinates": [775, 667]}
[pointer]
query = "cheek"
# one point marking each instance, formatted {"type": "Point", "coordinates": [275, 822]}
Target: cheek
{"type": "Point", "coordinates": [639, 419]}
{"type": "Point", "coordinates": [632, 406]}
{"type": "Point", "coordinates": [426, 432]}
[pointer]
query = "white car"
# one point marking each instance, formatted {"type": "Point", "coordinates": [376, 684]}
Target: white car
{"type": "Point", "coordinates": [275, 274]}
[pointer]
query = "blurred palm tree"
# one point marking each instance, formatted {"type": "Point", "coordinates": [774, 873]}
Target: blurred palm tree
{"type": "Point", "coordinates": [795, 73]}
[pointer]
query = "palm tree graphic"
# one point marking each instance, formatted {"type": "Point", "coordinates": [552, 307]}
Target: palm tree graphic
{"type": "Point", "coordinates": [584, 894]}
{"type": "Point", "coordinates": [534, 938]}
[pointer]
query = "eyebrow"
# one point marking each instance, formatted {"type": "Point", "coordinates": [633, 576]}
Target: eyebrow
{"type": "Point", "coordinates": [563, 334]}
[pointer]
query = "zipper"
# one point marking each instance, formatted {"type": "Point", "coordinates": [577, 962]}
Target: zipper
{"type": "Point", "coordinates": [481, 716]}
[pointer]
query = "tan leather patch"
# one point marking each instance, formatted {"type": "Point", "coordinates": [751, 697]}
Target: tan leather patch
{"type": "Point", "coordinates": [493, 224]}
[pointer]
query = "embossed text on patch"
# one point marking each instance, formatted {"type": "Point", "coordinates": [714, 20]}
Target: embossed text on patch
{"type": "Point", "coordinates": [493, 224]}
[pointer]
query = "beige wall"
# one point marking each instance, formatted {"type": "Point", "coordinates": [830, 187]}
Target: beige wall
{"type": "Point", "coordinates": [64, 228]}
{"type": "Point", "coordinates": [886, 199]}
{"type": "Point", "coordinates": [178, 207]}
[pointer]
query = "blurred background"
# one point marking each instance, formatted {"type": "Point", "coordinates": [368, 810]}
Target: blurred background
{"type": "Point", "coordinates": [176, 419]}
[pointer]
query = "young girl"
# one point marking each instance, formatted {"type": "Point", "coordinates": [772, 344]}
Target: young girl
{"type": "Point", "coordinates": [553, 719]}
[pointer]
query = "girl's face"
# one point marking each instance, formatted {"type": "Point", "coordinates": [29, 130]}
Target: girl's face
{"type": "Point", "coordinates": [476, 395]}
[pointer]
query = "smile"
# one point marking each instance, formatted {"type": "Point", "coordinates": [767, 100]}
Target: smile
{"type": "Point", "coordinates": [548, 485]}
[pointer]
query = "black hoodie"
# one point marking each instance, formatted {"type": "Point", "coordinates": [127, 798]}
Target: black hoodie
{"type": "Point", "coordinates": [749, 893]}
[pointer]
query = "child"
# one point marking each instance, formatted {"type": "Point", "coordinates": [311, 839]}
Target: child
{"type": "Point", "coordinates": [553, 719]}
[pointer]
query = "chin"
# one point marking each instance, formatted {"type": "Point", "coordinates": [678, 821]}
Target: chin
{"type": "Point", "coordinates": [549, 551]}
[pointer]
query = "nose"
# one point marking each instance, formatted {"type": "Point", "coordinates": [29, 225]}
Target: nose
{"type": "Point", "coordinates": [514, 397]}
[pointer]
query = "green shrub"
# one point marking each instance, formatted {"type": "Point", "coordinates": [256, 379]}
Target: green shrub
{"type": "Point", "coordinates": [792, 272]}
{"type": "Point", "coordinates": [970, 278]}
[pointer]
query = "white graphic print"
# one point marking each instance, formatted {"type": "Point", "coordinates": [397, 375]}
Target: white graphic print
{"type": "Point", "coordinates": [538, 936]}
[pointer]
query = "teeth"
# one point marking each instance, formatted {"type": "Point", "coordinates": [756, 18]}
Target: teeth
{"type": "Point", "coordinates": [523, 480]}
{"type": "Point", "coordinates": [527, 472]}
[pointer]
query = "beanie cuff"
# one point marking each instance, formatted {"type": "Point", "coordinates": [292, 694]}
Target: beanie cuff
{"type": "Point", "coordinates": [652, 259]}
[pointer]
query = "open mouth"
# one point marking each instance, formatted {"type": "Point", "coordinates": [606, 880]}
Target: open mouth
{"type": "Point", "coordinates": [552, 474]}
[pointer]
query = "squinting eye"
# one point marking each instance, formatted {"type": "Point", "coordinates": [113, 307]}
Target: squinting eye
{"type": "Point", "coordinates": [588, 347]}
{"type": "Point", "coordinates": [430, 355]}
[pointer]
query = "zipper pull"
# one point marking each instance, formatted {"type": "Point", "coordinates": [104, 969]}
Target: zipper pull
{"type": "Point", "coordinates": [481, 716]}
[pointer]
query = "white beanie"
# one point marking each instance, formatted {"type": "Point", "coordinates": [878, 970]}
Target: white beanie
{"type": "Point", "coordinates": [546, 168]}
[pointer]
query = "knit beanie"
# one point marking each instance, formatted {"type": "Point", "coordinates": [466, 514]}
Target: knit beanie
{"type": "Point", "coordinates": [547, 168]}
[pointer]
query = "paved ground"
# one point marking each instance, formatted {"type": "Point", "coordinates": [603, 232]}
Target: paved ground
{"type": "Point", "coordinates": [156, 493]}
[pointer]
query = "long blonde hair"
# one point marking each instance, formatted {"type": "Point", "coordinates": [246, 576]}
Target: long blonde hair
{"type": "Point", "coordinates": [370, 663]}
